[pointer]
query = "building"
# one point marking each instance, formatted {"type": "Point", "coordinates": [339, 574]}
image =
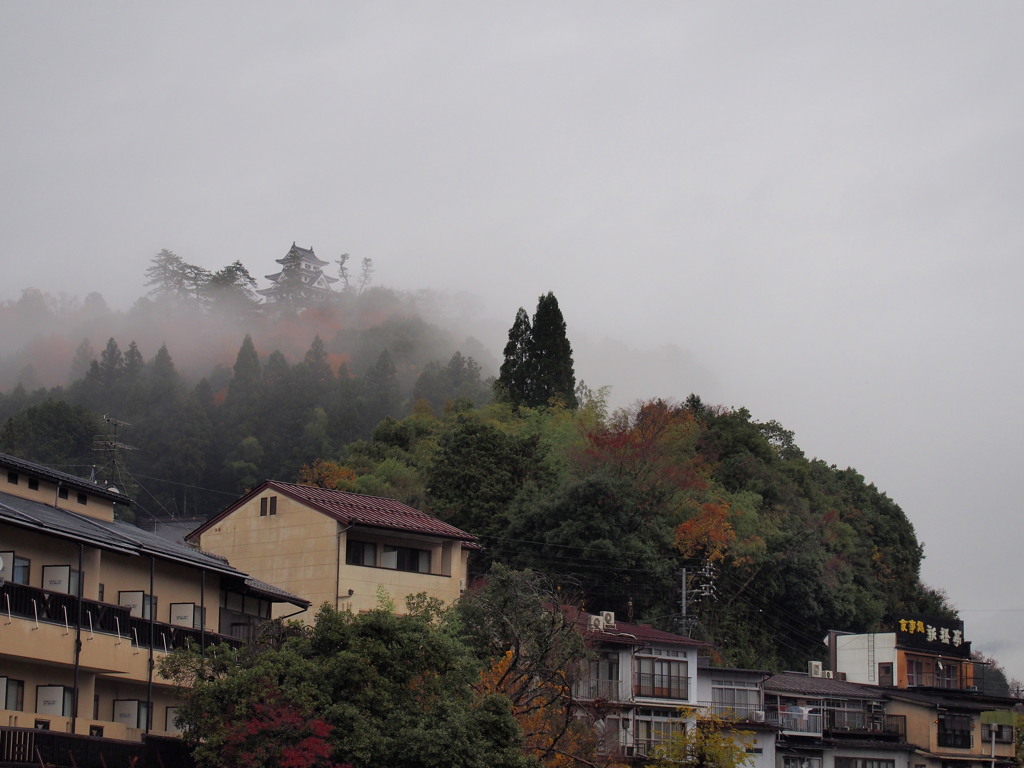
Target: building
{"type": "Point", "coordinates": [301, 281]}
{"type": "Point", "coordinates": [825, 722]}
{"type": "Point", "coordinates": [344, 549]}
{"type": "Point", "coordinates": [90, 605]}
{"type": "Point", "coordinates": [925, 671]}
{"type": "Point", "coordinates": [640, 678]}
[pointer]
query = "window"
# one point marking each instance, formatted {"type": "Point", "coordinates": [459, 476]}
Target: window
{"type": "Point", "coordinates": [20, 570]}
{"type": "Point", "coordinates": [601, 680]}
{"type": "Point", "coordinates": [33, 483]}
{"type": "Point", "coordinates": [954, 730]}
{"type": "Point", "coordinates": [15, 568]}
{"type": "Point", "coordinates": [915, 672]}
{"type": "Point", "coordinates": [654, 726]}
{"type": "Point", "coordinates": [801, 761]}
{"type": "Point", "coordinates": [268, 506]}
{"type": "Point", "coordinates": [61, 578]}
{"type": "Point", "coordinates": [12, 694]}
{"type": "Point", "coordinates": [1002, 733]}
{"type": "Point", "coordinates": [12, 478]}
{"type": "Point", "coordinates": [405, 559]}
{"type": "Point", "coordinates": [82, 498]}
{"type": "Point", "coordinates": [360, 553]}
{"type": "Point", "coordinates": [661, 678]}
{"type": "Point", "coordinates": [863, 762]}
{"type": "Point", "coordinates": [62, 492]}
{"type": "Point", "coordinates": [735, 698]}
{"type": "Point", "coordinates": [947, 675]}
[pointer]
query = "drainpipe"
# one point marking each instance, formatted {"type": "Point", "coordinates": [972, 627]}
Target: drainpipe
{"type": "Point", "coordinates": [337, 568]}
{"type": "Point", "coordinates": [78, 639]}
{"type": "Point", "coordinates": [152, 631]}
{"type": "Point", "coordinates": [202, 611]}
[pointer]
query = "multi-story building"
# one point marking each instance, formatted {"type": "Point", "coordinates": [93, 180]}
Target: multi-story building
{"type": "Point", "coordinates": [640, 680]}
{"type": "Point", "coordinates": [344, 549]}
{"type": "Point", "coordinates": [925, 671]}
{"type": "Point", "coordinates": [825, 722]}
{"type": "Point", "coordinates": [301, 281]}
{"type": "Point", "coordinates": [90, 604]}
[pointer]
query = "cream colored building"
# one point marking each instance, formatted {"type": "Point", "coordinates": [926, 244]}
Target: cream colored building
{"type": "Point", "coordinates": [343, 549]}
{"type": "Point", "coordinates": [89, 605]}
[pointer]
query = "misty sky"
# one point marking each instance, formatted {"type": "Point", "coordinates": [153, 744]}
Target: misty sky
{"type": "Point", "coordinates": [809, 209]}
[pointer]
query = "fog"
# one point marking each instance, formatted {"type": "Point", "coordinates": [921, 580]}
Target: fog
{"type": "Point", "coordinates": [809, 210]}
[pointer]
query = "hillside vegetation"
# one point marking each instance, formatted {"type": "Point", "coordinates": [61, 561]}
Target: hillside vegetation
{"type": "Point", "coordinates": [774, 548]}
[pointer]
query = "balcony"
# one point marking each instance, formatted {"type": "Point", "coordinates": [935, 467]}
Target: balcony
{"type": "Point", "coordinates": [856, 722]}
{"type": "Point", "coordinates": [796, 721]}
{"type": "Point", "coordinates": [102, 618]}
{"type": "Point", "coordinates": [661, 686]}
{"type": "Point", "coordinates": [32, 747]}
{"type": "Point", "coordinates": [591, 689]}
{"type": "Point", "coordinates": [736, 712]}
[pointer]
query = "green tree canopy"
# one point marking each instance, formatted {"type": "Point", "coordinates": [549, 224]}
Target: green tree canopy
{"type": "Point", "coordinates": [377, 689]}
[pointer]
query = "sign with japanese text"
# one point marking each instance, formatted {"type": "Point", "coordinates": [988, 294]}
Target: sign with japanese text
{"type": "Point", "coordinates": [941, 636]}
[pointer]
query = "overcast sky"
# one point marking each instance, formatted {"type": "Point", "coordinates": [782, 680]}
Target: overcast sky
{"type": "Point", "coordinates": [810, 209]}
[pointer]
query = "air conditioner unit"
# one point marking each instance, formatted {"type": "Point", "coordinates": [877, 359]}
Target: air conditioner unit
{"type": "Point", "coordinates": [758, 715]}
{"type": "Point", "coordinates": [814, 668]}
{"type": "Point", "coordinates": [829, 674]}
{"type": "Point", "coordinates": [596, 624]}
{"type": "Point", "coordinates": [608, 617]}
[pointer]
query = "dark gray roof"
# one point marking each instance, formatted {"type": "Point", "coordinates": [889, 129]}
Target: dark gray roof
{"type": "Point", "coordinates": [116, 536]}
{"type": "Point", "coordinates": [127, 539]}
{"type": "Point", "coordinates": [951, 698]}
{"type": "Point", "coordinates": [62, 478]}
{"type": "Point", "coordinates": [807, 685]}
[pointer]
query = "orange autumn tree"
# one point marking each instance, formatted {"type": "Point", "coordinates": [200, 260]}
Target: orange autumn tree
{"type": "Point", "coordinates": [524, 628]}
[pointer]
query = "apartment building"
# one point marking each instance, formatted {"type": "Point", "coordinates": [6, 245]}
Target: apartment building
{"type": "Point", "coordinates": [90, 604]}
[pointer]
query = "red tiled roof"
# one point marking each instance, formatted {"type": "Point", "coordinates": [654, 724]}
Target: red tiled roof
{"type": "Point", "coordinates": [371, 511]}
{"type": "Point", "coordinates": [637, 634]}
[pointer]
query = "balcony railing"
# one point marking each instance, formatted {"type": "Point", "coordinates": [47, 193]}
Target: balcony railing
{"type": "Point", "coordinates": [796, 721]}
{"type": "Point", "coordinates": [590, 689]}
{"type": "Point", "coordinates": [854, 721]}
{"type": "Point", "coordinates": [57, 608]}
{"type": "Point", "coordinates": [32, 747]}
{"type": "Point", "coordinates": [661, 686]}
{"type": "Point", "coordinates": [749, 713]}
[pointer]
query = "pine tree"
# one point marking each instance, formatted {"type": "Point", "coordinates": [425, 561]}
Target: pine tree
{"type": "Point", "coordinates": [514, 377]}
{"type": "Point", "coordinates": [552, 356]}
{"type": "Point", "coordinates": [538, 368]}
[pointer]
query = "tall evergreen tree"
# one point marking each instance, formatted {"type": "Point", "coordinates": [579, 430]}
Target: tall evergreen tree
{"type": "Point", "coordinates": [538, 368]}
{"type": "Point", "coordinates": [551, 354]}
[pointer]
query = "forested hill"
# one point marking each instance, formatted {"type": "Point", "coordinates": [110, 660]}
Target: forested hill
{"type": "Point", "coordinates": [777, 549]}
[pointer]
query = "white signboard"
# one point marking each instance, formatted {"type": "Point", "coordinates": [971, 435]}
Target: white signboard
{"type": "Point", "coordinates": [126, 712]}
{"type": "Point", "coordinates": [183, 614]}
{"type": "Point", "coordinates": [132, 600]}
{"type": "Point", "coordinates": [50, 700]}
{"type": "Point", "coordinates": [57, 578]}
